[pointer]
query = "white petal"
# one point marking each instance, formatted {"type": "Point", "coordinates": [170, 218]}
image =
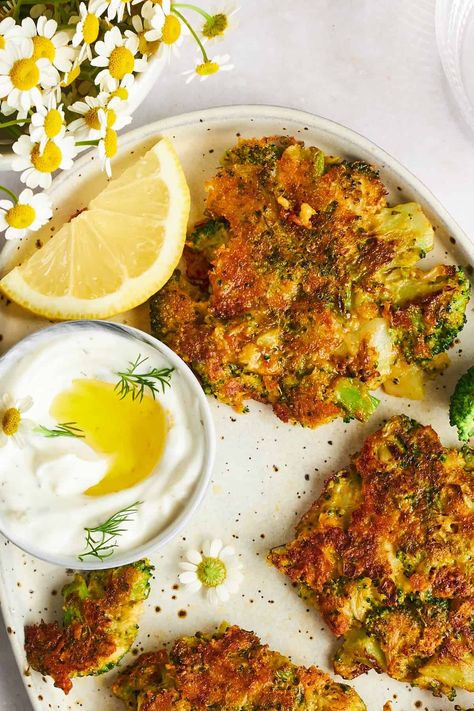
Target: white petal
{"type": "Point", "coordinates": [194, 557]}
{"type": "Point", "coordinates": [19, 439]}
{"type": "Point", "coordinates": [215, 548]}
{"type": "Point", "coordinates": [194, 586]}
{"type": "Point", "coordinates": [227, 552]}
{"type": "Point", "coordinates": [50, 28]}
{"type": "Point", "coordinates": [222, 593]}
{"type": "Point", "coordinates": [188, 576]}
{"type": "Point", "coordinates": [25, 403]}
{"type": "Point", "coordinates": [187, 566]}
{"type": "Point", "coordinates": [8, 401]}
{"type": "Point", "coordinates": [212, 596]}
{"type": "Point", "coordinates": [15, 233]}
{"type": "Point", "coordinates": [25, 426]}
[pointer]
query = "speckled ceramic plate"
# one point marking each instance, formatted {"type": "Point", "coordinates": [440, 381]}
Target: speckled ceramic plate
{"type": "Point", "coordinates": [267, 473]}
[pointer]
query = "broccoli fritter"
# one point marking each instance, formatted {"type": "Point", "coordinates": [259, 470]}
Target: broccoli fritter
{"type": "Point", "coordinates": [229, 670]}
{"type": "Point", "coordinates": [100, 623]}
{"type": "Point", "coordinates": [387, 555]}
{"type": "Point", "coordinates": [300, 289]}
{"type": "Point", "coordinates": [461, 406]}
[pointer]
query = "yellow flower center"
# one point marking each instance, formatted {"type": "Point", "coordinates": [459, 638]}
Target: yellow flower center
{"type": "Point", "coordinates": [111, 118]}
{"type": "Point", "coordinates": [43, 48]}
{"type": "Point", "coordinates": [2, 42]}
{"type": "Point", "coordinates": [11, 421]}
{"type": "Point", "coordinates": [171, 30]}
{"type": "Point", "coordinates": [71, 76]}
{"type": "Point", "coordinates": [20, 216]}
{"type": "Point", "coordinates": [146, 47]}
{"type": "Point", "coordinates": [90, 28]}
{"type": "Point", "coordinates": [215, 26]}
{"type": "Point", "coordinates": [91, 118]}
{"type": "Point", "coordinates": [24, 74]}
{"type": "Point", "coordinates": [53, 123]}
{"type": "Point", "coordinates": [121, 62]}
{"type": "Point", "coordinates": [211, 572]}
{"type": "Point", "coordinates": [49, 160]}
{"type": "Point", "coordinates": [207, 68]}
{"type": "Point", "coordinates": [121, 92]}
{"type": "Point", "coordinates": [110, 142]}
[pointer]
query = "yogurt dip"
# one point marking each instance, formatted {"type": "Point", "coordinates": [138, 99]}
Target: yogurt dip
{"type": "Point", "coordinates": [123, 449]}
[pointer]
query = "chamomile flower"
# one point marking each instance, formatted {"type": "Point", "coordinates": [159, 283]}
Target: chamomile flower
{"type": "Point", "coordinates": [39, 165]}
{"type": "Point", "coordinates": [117, 54]}
{"type": "Point", "coordinates": [22, 76]}
{"type": "Point", "coordinates": [87, 127]}
{"type": "Point", "coordinates": [50, 44]}
{"type": "Point", "coordinates": [13, 426]}
{"type": "Point", "coordinates": [221, 18]}
{"type": "Point", "coordinates": [142, 25]}
{"type": "Point", "coordinates": [30, 212]}
{"type": "Point", "coordinates": [88, 27]}
{"type": "Point", "coordinates": [205, 69]}
{"type": "Point", "coordinates": [165, 26]}
{"type": "Point", "coordinates": [93, 110]}
{"type": "Point", "coordinates": [47, 123]}
{"type": "Point", "coordinates": [215, 569]}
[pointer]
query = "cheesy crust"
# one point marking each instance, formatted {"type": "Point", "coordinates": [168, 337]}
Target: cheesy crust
{"type": "Point", "coordinates": [386, 553]}
{"type": "Point", "coordinates": [300, 289]}
{"type": "Point", "coordinates": [230, 670]}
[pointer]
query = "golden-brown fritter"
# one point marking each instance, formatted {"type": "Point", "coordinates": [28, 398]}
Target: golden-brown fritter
{"type": "Point", "coordinates": [300, 289]}
{"type": "Point", "coordinates": [100, 623]}
{"type": "Point", "coordinates": [230, 670]}
{"type": "Point", "coordinates": [387, 555]}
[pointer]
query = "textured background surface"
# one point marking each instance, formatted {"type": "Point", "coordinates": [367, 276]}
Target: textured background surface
{"type": "Point", "coordinates": [369, 64]}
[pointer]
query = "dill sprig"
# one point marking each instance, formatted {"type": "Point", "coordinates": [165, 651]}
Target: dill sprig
{"type": "Point", "coordinates": [64, 429]}
{"type": "Point", "coordinates": [135, 383]}
{"type": "Point", "coordinates": [101, 540]}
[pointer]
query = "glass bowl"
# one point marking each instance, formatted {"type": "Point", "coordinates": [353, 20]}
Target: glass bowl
{"type": "Point", "coordinates": [455, 38]}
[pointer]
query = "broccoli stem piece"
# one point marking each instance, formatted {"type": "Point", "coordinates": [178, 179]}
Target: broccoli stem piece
{"type": "Point", "coordinates": [354, 397]}
{"type": "Point", "coordinates": [461, 406]}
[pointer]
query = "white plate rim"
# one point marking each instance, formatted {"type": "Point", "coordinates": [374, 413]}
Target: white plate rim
{"type": "Point", "coordinates": [252, 112]}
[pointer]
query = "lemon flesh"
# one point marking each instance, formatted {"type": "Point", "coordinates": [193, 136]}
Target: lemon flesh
{"type": "Point", "coordinates": [118, 252]}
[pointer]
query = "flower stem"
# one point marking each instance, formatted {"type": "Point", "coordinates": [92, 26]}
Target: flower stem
{"type": "Point", "coordinates": [193, 32]}
{"type": "Point", "coordinates": [9, 192]}
{"type": "Point", "coordinates": [188, 6]}
{"type": "Point", "coordinates": [14, 122]}
{"type": "Point", "coordinates": [87, 143]}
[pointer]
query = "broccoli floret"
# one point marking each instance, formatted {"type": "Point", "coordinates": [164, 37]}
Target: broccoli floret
{"type": "Point", "coordinates": [354, 397]}
{"type": "Point", "coordinates": [428, 310]}
{"type": "Point", "coordinates": [263, 152]}
{"type": "Point", "coordinates": [209, 236]}
{"type": "Point", "coordinates": [407, 227]}
{"type": "Point", "coordinates": [461, 406]}
{"type": "Point", "coordinates": [100, 623]}
{"type": "Point", "coordinates": [358, 654]}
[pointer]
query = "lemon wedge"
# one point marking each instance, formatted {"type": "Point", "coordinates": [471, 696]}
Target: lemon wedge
{"type": "Point", "coordinates": [118, 252]}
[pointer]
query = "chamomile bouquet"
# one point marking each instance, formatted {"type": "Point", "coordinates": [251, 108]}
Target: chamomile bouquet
{"type": "Point", "coordinates": [67, 69]}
